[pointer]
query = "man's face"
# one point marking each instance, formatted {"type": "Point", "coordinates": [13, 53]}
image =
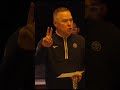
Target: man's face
{"type": "Point", "coordinates": [76, 29]}
{"type": "Point", "coordinates": [64, 23]}
{"type": "Point", "coordinates": [92, 9]}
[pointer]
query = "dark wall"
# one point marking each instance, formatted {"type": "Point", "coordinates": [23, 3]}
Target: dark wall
{"type": "Point", "coordinates": [113, 11]}
{"type": "Point", "coordinates": [13, 15]}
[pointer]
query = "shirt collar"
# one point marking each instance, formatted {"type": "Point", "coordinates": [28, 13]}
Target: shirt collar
{"type": "Point", "coordinates": [61, 35]}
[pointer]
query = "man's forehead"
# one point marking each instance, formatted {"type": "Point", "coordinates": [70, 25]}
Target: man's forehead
{"type": "Point", "coordinates": [66, 14]}
{"type": "Point", "coordinates": [92, 2]}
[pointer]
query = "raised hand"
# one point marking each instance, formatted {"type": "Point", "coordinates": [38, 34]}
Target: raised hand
{"type": "Point", "coordinates": [26, 38]}
{"type": "Point", "coordinates": [47, 40]}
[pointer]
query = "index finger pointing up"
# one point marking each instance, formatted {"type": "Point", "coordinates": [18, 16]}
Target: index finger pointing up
{"type": "Point", "coordinates": [48, 30]}
{"type": "Point", "coordinates": [51, 30]}
{"type": "Point", "coordinates": [30, 18]}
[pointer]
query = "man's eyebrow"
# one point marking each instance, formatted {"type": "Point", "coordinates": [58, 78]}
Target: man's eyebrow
{"type": "Point", "coordinates": [68, 19]}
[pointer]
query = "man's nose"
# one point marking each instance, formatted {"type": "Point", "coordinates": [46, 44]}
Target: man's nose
{"type": "Point", "coordinates": [69, 23]}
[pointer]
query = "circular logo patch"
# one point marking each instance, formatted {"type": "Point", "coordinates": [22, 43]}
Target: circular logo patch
{"type": "Point", "coordinates": [96, 46]}
{"type": "Point", "coordinates": [75, 45]}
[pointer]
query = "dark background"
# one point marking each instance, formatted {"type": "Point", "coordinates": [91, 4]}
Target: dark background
{"type": "Point", "coordinates": [13, 14]}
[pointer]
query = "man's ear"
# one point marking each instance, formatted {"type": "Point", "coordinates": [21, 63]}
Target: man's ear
{"type": "Point", "coordinates": [54, 22]}
{"type": "Point", "coordinates": [78, 30]}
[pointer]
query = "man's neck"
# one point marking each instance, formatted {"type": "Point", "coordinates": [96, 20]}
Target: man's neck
{"type": "Point", "coordinates": [62, 35]}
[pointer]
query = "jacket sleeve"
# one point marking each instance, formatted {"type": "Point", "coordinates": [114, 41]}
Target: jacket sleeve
{"type": "Point", "coordinates": [83, 53]}
{"type": "Point", "coordinates": [41, 54]}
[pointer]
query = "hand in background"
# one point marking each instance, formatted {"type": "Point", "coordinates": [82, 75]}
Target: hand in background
{"type": "Point", "coordinates": [26, 38]}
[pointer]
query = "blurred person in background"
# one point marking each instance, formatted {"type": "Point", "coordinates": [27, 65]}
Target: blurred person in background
{"type": "Point", "coordinates": [102, 48]}
{"type": "Point", "coordinates": [17, 68]}
{"type": "Point", "coordinates": [76, 29]}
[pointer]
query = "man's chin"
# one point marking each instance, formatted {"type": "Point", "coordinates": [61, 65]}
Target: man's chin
{"type": "Point", "coordinates": [69, 33]}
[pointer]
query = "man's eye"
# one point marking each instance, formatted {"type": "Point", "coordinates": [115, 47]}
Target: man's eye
{"type": "Point", "coordinates": [71, 20]}
{"type": "Point", "coordinates": [64, 20]}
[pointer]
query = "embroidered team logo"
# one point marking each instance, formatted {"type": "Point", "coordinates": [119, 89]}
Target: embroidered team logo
{"type": "Point", "coordinates": [75, 45]}
{"type": "Point", "coordinates": [96, 46]}
{"type": "Point", "coordinates": [55, 46]}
